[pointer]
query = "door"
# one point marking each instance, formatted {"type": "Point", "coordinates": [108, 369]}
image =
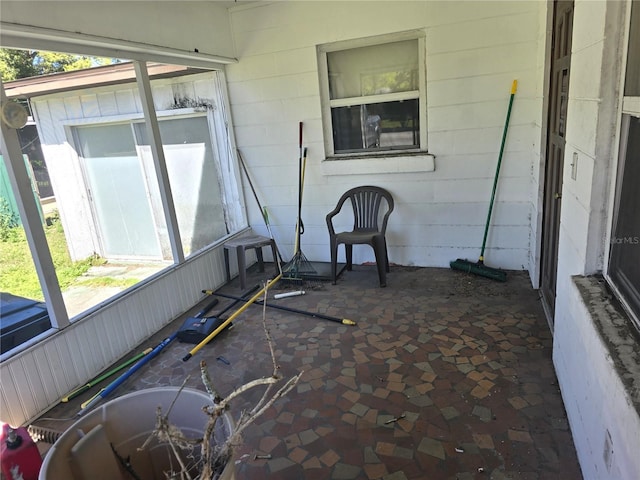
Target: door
{"type": "Point", "coordinates": [556, 130]}
{"type": "Point", "coordinates": [196, 186]}
{"type": "Point", "coordinates": [118, 192]}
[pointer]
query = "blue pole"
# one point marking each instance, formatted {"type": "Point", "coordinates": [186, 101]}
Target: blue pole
{"type": "Point", "coordinates": [121, 379]}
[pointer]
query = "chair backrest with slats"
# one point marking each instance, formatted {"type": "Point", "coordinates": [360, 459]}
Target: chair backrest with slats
{"type": "Point", "coordinates": [366, 202]}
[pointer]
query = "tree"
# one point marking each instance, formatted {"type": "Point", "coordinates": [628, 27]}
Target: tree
{"type": "Point", "coordinates": [15, 64]}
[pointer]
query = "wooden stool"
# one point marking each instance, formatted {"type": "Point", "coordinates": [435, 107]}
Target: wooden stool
{"type": "Point", "coordinates": [241, 245]}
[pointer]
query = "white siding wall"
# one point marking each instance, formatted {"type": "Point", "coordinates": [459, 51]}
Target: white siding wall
{"type": "Point", "coordinates": [474, 51]}
{"type": "Point", "coordinates": [604, 419]}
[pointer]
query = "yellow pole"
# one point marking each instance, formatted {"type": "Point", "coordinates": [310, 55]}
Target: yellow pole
{"type": "Point", "coordinates": [223, 325]}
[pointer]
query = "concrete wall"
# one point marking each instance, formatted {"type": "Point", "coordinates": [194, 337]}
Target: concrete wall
{"type": "Point", "coordinates": [599, 376]}
{"type": "Point", "coordinates": [473, 52]}
{"type": "Point", "coordinates": [598, 371]}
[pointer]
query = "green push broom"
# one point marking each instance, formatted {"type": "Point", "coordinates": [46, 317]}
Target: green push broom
{"type": "Point", "coordinates": [479, 268]}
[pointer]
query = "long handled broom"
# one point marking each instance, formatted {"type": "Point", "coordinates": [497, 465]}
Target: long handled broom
{"type": "Point", "coordinates": [479, 268]}
{"type": "Point", "coordinates": [263, 209]}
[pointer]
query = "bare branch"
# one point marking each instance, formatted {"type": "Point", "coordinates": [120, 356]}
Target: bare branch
{"type": "Point", "coordinates": [270, 343]}
{"type": "Point", "coordinates": [208, 384]}
{"type": "Point", "coordinates": [247, 386]}
{"type": "Point", "coordinates": [214, 457]}
{"type": "Point", "coordinates": [247, 420]}
{"type": "Point", "coordinates": [286, 388]}
{"type": "Point", "coordinates": [165, 432]}
{"type": "Point", "coordinates": [184, 383]}
{"type": "Point", "coordinates": [265, 395]}
{"type": "Point", "coordinates": [184, 471]}
{"type": "Point", "coordinates": [267, 332]}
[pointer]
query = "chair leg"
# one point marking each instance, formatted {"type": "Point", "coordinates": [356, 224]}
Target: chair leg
{"type": "Point", "coordinates": [386, 255]}
{"type": "Point", "coordinates": [274, 251]}
{"type": "Point", "coordinates": [348, 251]}
{"type": "Point", "coordinates": [226, 264]}
{"type": "Point", "coordinates": [381, 260]}
{"type": "Point", "coordinates": [260, 259]}
{"type": "Point", "coordinates": [334, 260]}
{"type": "Point", "coordinates": [242, 266]}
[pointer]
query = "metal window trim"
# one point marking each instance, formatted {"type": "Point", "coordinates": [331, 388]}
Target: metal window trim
{"type": "Point", "coordinates": [371, 40]}
{"type": "Point", "coordinates": [628, 106]}
{"type": "Point", "coordinates": [621, 298]}
{"type": "Point", "coordinates": [30, 217]}
{"type": "Point", "coordinates": [617, 147]}
{"type": "Point", "coordinates": [369, 99]}
{"type": "Point", "coordinates": [611, 273]}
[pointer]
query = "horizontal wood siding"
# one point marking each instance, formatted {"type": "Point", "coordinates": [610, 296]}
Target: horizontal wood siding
{"type": "Point", "coordinates": [35, 380]}
{"type": "Point", "coordinates": [473, 52]}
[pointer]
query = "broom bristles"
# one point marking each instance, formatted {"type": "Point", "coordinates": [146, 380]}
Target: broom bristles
{"type": "Point", "coordinates": [478, 268]}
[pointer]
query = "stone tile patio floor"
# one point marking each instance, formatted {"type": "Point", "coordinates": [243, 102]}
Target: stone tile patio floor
{"type": "Point", "coordinates": [463, 363]}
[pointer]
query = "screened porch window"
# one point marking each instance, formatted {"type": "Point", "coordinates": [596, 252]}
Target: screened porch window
{"type": "Point", "coordinates": [194, 179]}
{"type": "Point", "coordinates": [124, 192]}
{"type": "Point", "coordinates": [372, 95]}
{"type": "Point", "coordinates": [115, 183]}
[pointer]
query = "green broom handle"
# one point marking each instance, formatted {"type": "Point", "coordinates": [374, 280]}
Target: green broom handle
{"type": "Point", "coordinates": [514, 87]}
{"type": "Point", "coordinates": [104, 376]}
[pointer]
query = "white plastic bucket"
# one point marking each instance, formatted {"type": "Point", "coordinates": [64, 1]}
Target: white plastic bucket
{"type": "Point", "coordinates": [126, 422]}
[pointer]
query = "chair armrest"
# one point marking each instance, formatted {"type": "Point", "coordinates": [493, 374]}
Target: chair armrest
{"type": "Point", "coordinates": [330, 216]}
{"type": "Point", "coordinates": [385, 219]}
{"type": "Point", "coordinates": [335, 212]}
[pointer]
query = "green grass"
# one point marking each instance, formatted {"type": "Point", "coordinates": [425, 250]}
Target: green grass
{"type": "Point", "coordinates": [97, 282]}
{"type": "Point", "coordinates": [18, 274]}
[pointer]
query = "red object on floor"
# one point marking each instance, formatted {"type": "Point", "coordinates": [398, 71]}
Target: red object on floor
{"type": "Point", "coordinates": [20, 457]}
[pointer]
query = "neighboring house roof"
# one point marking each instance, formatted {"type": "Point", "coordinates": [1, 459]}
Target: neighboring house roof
{"type": "Point", "coordinates": [91, 77]}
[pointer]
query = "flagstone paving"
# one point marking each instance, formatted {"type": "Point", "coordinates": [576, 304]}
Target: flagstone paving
{"type": "Point", "coordinates": [445, 376]}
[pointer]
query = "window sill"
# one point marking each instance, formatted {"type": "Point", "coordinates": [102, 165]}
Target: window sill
{"type": "Point", "coordinates": [614, 328]}
{"type": "Point", "coordinates": [381, 164]}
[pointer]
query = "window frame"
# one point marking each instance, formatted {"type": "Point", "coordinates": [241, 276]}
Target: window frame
{"type": "Point", "coordinates": [629, 106]}
{"type": "Point", "coordinates": [615, 281]}
{"type": "Point", "coordinates": [327, 104]}
{"type": "Point", "coordinates": [220, 126]}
